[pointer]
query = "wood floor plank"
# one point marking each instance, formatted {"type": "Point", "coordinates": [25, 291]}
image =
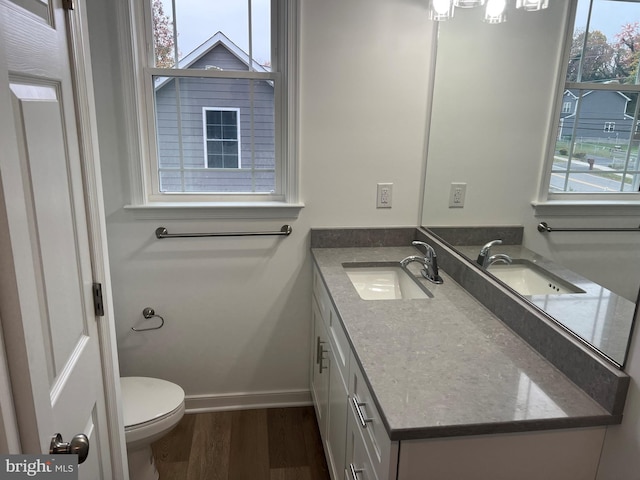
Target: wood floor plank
{"type": "Point", "coordinates": [211, 446]}
{"type": "Point", "coordinates": [238, 446]}
{"type": "Point", "coordinates": [286, 438]}
{"type": "Point", "coordinates": [313, 442]}
{"type": "Point", "coordinates": [176, 447]}
{"type": "Point", "coordinates": [295, 473]}
{"type": "Point", "coordinates": [172, 470]}
{"type": "Point", "coordinates": [249, 454]}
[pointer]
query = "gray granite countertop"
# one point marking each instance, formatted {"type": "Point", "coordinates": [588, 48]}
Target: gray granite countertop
{"type": "Point", "coordinates": [446, 366]}
{"type": "Point", "coordinates": [598, 315]}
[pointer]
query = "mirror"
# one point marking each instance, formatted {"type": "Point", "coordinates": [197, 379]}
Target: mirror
{"type": "Point", "coordinates": [494, 95]}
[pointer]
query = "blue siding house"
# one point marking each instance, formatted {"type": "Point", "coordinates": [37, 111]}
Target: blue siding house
{"type": "Point", "coordinates": [602, 115]}
{"type": "Point", "coordinates": [215, 134]}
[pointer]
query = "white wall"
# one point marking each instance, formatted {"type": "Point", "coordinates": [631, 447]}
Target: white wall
{"type": "Point", "coordinates": [237, 310]}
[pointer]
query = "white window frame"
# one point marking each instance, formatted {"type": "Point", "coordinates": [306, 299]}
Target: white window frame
{"type": "Point", "coordinates": [609, 127]}
{"type": "Point", "coordinates": [146, 198]}
{"type": "Point", "coordinates": [206, 140]}
{"type": "Point", "coordinates": [566, 107]}
{"type": "Point", "coordinates": [565, 203]}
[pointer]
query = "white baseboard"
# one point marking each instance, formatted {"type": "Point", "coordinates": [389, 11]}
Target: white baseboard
{"type": "Point", "coordinates": [247, 401]}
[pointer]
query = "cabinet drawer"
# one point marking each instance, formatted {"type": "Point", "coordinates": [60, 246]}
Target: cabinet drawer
{"type": "Point", "coordinates": [379, 446]}
{"type": "Point", "coordinates": [358, 465]}
{"type": "Point", "coordinates": [321, 294]}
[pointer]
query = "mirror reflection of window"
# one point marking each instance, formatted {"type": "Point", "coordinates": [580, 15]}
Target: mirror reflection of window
{"type": "Point", "coordinates": [596, 150]}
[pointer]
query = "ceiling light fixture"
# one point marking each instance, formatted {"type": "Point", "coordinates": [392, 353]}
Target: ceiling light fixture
{"type": "Point", "coordinates": [495, 10]}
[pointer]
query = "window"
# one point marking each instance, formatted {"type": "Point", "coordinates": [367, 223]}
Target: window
{"type": "Point", "coordinates": [221, 130]}
{"type": "Point", "coordinates": [214, 84]}
{"type": "Point", "coordinates": [593, 154]}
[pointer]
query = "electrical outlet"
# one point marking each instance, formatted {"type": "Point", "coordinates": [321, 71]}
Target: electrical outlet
{"type": "Point", "coordinates": [457, 195]}
{"type": "Point", "coordinates": [385, 191]}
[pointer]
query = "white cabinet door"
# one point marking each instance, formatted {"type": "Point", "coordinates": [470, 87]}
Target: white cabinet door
{"type": "Point", "coordinates": [46, 305]}
{"type": "Point", "coordinates": [337, 426]}
{"type": "Point", "coordinates": [319, 372]}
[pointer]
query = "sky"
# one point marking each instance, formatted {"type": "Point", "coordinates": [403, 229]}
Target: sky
{"type": "Point", "coordinates": [198, 20]}
{"type": "Point", "coordinates": [607, 16]}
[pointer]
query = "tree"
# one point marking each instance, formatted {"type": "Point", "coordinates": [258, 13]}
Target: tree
{"type": "Point", "coordinates": [627, 52]}
{"type": "Point", "coordinates": [595, 60]}
{"type": "Point", "coordinates": [163, 39]}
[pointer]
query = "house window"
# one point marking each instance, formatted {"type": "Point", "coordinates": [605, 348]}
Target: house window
{"type": "Point", "coordinates": [592, 154]}
{"type": "Point", "coordinates": [215, 87]}
{"type": "Point", "coordinates": [221, 133]}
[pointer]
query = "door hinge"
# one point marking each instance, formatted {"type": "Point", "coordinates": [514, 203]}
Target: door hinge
{"type": "Point", "coordinates": [67, 4]}
{"type": "Point", "coordinates": [98, 304]}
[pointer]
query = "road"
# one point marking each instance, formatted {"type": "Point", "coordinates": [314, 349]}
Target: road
{"type": "Point", "coordinates": [588, 182]}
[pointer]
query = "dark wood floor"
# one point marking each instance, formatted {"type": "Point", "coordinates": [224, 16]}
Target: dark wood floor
{"type": "Point", "coordinates": [270, 444]}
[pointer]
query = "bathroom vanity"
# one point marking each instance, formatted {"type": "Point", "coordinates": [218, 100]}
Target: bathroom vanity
{"type": "Point", "coordinates": [438, 387]}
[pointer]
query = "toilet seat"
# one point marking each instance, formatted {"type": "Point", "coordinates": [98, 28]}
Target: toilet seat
{"type": "Point", "coordinates": [151, 408]}
{"type": "Point", "coordinates": [147, 399]}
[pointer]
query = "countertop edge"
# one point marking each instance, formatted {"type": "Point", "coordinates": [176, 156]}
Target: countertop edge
{"type": "Point", "coordinates": [519, 426]}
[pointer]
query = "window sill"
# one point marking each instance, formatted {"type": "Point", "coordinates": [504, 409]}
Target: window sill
{"type": "Point", "coordinates": [594, 208]}
{"type": "Point", "coordinates": [219, 210]}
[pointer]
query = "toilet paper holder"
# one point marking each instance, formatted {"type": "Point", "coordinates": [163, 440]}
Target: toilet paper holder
{"type": "Point", "coordinates": [148, 313]}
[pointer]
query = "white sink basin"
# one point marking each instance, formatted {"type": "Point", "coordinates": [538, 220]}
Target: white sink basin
{"type": "Point", "coordinates": [527, 278]}
{"type": "Point", "coordinates": [389, 282]}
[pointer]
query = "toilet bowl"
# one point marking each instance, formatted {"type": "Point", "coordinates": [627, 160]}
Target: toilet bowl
{"type": "Point", "coordinates": [151, 408]}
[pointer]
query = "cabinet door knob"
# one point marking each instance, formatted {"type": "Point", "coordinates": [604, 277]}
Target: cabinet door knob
{"type": "Point", "coordinates": [357, 406]}
{"type": "Point", "coordinates": [355, 471]}
{"type": "Point", "coordinates": [319, 349]}
{"type": "Point", "coordinates": [321, 366]}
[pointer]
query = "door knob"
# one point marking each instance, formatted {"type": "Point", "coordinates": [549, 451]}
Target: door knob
{"type": "Point", "coordinates": [78, 445]}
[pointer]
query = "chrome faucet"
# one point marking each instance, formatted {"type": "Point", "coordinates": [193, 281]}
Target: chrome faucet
{"type": "Point", "coordinates": [429, 262]}
{"type": "Point", "coordinates": [484, 260]}
{"type": "Point", "coordinates": [484, 252]}
{"type": "Point", "coordinates": [498, 257]}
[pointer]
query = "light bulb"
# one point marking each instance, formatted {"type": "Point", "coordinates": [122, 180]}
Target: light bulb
{"type": "Point", "coordinates": [441, 10]}
{"type": "Point", "coordinates": [495, 11]}
{"type": "Point", "coordinates": [532, 5]}
{"type": "Point", "coordinates": [468, 3]}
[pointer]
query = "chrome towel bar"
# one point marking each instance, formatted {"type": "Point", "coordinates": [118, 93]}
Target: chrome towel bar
{"type": "Point", "coordinates": [161, 232]}
{"type": "Point", "coordinates": [544, 228]}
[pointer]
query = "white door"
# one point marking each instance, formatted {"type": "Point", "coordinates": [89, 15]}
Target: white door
{"type": "Point", "coordinates": [46, 303]}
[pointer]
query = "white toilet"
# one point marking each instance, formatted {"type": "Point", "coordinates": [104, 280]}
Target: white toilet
{"type": "Point", "coordinates": [151, 407]}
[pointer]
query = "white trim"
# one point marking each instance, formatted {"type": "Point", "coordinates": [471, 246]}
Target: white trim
{"type": "Point", "coordinates": [139, 111]}
{"type": "Point", "coordinates": [9, 433]}
{"type": "Point", "coordinates": [229, 210]}
{"type": "Point", "coordinates": [593, 208]}
{"type": "Point", "coordinates": [549, 201]}
{"type": "Point", "coordinates": [244, 401]}
{"type": "Point", "coordinates": [96, 222]}
{"type": "Point", "coordinates": [205, 138]}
